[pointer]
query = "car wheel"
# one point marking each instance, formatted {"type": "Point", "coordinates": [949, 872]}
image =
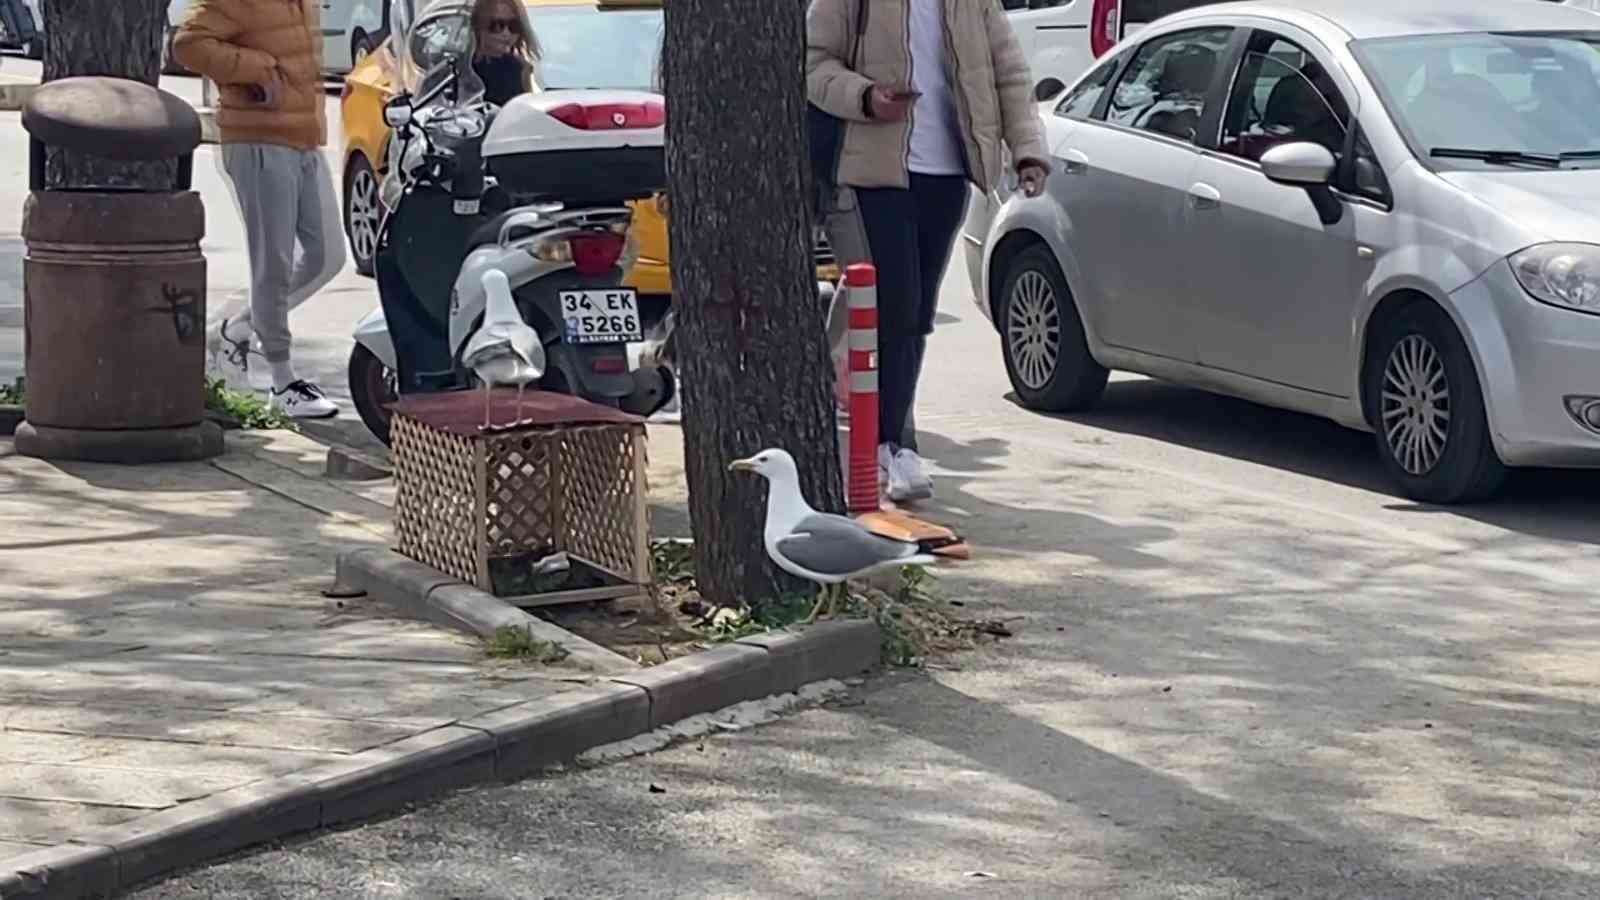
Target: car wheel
{"type": "Point", "coordinates": [1426, 406]}
{"type": "Point", "coordinates": [373, 386]}
{"type": "Point", "coordinates": [363, 211]}
{"type": "Point", "coordinates": [1041, 337]}
{"type": "Point", "coordinates": [361, 46]}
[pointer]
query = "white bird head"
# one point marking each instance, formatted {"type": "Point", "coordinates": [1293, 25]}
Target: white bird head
{"type": "Point", "coordinates": [773, 465]}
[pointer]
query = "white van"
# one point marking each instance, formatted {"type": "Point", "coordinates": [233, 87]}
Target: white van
{"type": "Point", "coordinates": [350, 30]}
{"type": "Point", "coordinates": [1062, 37]}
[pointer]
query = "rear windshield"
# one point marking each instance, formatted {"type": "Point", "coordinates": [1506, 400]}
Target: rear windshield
{"type": "Point", "coordinates": [592, 47]}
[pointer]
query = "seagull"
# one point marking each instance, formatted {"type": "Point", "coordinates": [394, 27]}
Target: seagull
{"type": "Point", "coordinates": [823, 548]}
{"type": "Point", "coordinates": [504, 350]}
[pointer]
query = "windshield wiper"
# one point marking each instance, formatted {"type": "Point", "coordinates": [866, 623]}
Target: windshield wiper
{"type": "Point", "coordinates": [1580, 154]}
{"type": "Point", "coordinates": [1501, 157]}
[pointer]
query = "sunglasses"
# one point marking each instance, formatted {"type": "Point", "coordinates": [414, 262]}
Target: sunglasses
{"type": "Point", "coordinates": [503, 26]}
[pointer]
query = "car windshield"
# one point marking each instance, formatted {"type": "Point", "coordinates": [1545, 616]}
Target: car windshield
{"type": "Point", "coordinates": [595, 47]}
{"type": "Point", "coordinates": [1492, 99]}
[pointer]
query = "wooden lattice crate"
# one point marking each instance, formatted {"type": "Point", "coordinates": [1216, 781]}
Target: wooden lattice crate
{"type": "Point", "coordinates": [569, 476]}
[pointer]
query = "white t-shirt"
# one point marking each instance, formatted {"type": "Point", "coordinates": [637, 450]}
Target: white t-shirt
{"type": "Point", "coordinates": [935, 131]}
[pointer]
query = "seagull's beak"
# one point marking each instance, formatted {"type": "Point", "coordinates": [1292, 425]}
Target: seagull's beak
{"type": "Point", "coordinates": [742, 465]}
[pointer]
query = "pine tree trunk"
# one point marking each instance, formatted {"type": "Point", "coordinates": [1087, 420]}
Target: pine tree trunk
{"type": "Point", "coordinates": [751, 348]}
{"type": "Point", "coordinates": [121, 38]}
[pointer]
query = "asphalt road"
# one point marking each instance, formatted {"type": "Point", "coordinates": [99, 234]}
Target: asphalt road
{"type": "Point", "coordinates": [1243, 668]}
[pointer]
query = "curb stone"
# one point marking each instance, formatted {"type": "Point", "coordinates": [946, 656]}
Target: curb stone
{"type": "Point", "coordinates": [421, 592]}
{"type": "Point", "coordinates": [721, 676]}
{"type": "Point", "coordinates": [499, 745]}
{"type": "Point", "coordinates": [346, 464]}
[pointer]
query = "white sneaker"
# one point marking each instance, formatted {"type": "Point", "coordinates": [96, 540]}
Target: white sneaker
{"type": "Point", "coordinates": [303, 400]}
{"type": "Point", "coordinates": [891, 482]}
{"type": "Point", "coordinates": [915, 482]}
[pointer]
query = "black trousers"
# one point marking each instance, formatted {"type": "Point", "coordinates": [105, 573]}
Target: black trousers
{"type": "Point", "coordinates": [420, 334]}
{"type": "Point", "coordinates": [910, 234]}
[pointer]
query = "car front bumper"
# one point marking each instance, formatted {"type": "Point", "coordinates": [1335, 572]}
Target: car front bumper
{"type": "Point", "coordinates": [1531, 356]}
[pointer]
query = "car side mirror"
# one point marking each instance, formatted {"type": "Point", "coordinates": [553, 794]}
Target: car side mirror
{"type": "Point", "coordinates": [1310, 166]}
{"type": "Point", "coordinates": [1302, 164]}
{"type": "Point", "coordinates": [1048, 89]}
{"type": "Point", "coordinates": [397, 112]}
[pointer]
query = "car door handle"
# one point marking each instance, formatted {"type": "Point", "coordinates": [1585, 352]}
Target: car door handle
{"type": "Point", "coordinates": [1204, 196]}
{"type": "Point", "coordinates": [1075, 162]}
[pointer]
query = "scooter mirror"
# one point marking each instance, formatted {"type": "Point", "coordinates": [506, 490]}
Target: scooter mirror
{"type": "Point", "coordinates": [397, 112]}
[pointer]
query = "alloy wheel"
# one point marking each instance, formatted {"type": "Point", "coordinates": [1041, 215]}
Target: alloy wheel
{"type": "Point", "coordinates": [1416, 405]}
{"type": "Point", "coordinates": [364, 214]}
{"type": "Point", "coordinates": [1033, 329]}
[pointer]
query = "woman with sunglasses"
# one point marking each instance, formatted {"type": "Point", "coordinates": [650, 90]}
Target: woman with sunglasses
{"type": "Point", "coordinates": [506, 49]}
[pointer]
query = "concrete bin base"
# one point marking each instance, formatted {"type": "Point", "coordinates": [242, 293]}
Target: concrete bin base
{"type": "Point", "coordinates": [153, 445]}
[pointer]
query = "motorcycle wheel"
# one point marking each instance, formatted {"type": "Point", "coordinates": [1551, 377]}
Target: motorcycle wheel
{"type": "Point", "coordinates": [373, 387]}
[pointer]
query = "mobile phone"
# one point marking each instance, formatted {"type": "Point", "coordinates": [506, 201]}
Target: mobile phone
{"type": "Point", "coordinates": [906, 95]}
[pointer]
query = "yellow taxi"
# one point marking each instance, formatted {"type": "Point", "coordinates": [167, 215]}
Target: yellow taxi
{"type": "Point", "coordinates": [587, 44]}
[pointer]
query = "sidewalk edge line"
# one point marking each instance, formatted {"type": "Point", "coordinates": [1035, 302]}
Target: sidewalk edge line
{"type": "Point", "coordinates": [509, 743]}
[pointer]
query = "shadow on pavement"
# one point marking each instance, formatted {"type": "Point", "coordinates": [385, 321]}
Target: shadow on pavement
{"type": "Point", "coordinates": [1544, 503]}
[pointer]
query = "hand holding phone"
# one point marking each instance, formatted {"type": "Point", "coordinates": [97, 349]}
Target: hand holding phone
{"type": "Point", "coordinates": [889, 104]}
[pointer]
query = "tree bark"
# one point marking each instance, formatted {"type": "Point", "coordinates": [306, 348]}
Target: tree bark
{"type": "Point", "coordinates": [120, 38]}
{"type": "Point", "coordinates": [752, 349]}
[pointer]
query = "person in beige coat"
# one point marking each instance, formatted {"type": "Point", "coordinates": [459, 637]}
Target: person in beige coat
{"type": "Point", "coordinates": [927, 92]}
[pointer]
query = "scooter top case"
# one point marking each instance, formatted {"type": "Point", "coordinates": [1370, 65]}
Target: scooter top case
{"type": "Point", "coordinates": [579, 147]}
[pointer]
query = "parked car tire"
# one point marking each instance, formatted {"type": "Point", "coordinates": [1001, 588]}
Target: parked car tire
{"type": "Point", "coordinates": [361, 46]}
{"type": "Point", "coordinates": [1041, 337]}
{"type": "Point", "coordinates": [1425, 403]}
{"type": "Point", "coordinates": [372, 388]}
{"type": "Point", "coordinates": [363, 210]}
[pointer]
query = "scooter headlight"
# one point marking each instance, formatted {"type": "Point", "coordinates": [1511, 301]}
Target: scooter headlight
{"type": "Point", "coordinates": [1565, 275]}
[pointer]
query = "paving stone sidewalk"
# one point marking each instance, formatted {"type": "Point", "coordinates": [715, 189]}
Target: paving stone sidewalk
{"type": "Point", "coordinates": [163, 637]}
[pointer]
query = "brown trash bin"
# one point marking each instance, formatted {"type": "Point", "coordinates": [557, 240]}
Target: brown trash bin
{"type": "Point", "coordinates": [114, 285]}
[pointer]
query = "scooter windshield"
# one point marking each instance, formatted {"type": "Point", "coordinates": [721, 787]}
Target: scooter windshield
{"type": "Point", "coordinates": [439, 45]}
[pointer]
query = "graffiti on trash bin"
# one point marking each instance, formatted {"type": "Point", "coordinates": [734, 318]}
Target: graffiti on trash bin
{"type": "Point", "coordinates": [182, 304]}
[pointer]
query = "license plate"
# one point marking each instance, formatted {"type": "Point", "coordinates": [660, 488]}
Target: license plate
{"type": "Point", "coordinates": [601, 317]}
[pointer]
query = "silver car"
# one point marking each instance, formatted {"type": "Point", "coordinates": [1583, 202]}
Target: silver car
{"type": "Point", "coordinates": [1384, 213]}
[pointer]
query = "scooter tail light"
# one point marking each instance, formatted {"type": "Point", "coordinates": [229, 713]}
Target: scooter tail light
{"type": "Point", "coordinates": [610, 116]}
{"type": "Point", "coordinates": [609, 365]}
{"type": "Point", "coordinates": [596, 253]}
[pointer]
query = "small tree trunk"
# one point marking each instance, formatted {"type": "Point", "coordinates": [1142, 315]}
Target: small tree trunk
{"type": "Point", "coordinates": [752, 349]}
{"type": "Point", "coordinates": [121, 38]}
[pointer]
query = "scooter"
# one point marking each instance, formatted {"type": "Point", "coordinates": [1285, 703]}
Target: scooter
{"type": "Point", "coordinates": [536, 189]}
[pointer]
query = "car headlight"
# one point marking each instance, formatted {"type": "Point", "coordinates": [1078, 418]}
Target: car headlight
{"type": "Point", "coordinates": [1565, 275]}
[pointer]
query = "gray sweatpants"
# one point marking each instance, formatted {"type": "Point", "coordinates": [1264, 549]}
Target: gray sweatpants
{"type": "Point", "coordinates": [285, 197]}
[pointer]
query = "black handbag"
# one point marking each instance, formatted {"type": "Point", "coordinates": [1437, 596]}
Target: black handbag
{"type": "Point", "coordinates": [825, 134]}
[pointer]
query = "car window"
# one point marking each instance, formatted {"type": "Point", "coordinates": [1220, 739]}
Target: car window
{"type": "Point", "coordinates": [1365, 176]}
{"type": "Point", "coordinates": [1282, 95]}
{"type": "Point", "coordinates": [1079, 103]}
{"type": "Point", "coordinates": [1164, 87]}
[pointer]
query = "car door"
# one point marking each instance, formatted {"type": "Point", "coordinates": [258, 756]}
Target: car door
{"type": "Point", "coordinates": [1273, 288]}
{"type": "Point", "coordinates": [1123, 177]}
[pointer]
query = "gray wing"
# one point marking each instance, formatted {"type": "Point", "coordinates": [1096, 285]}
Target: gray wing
{"type": "Point", "coordinates": [834, 545]}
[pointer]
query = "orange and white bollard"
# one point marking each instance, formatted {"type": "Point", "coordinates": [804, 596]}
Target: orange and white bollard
{"type": "Point", "coordinates": [861, 296]}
